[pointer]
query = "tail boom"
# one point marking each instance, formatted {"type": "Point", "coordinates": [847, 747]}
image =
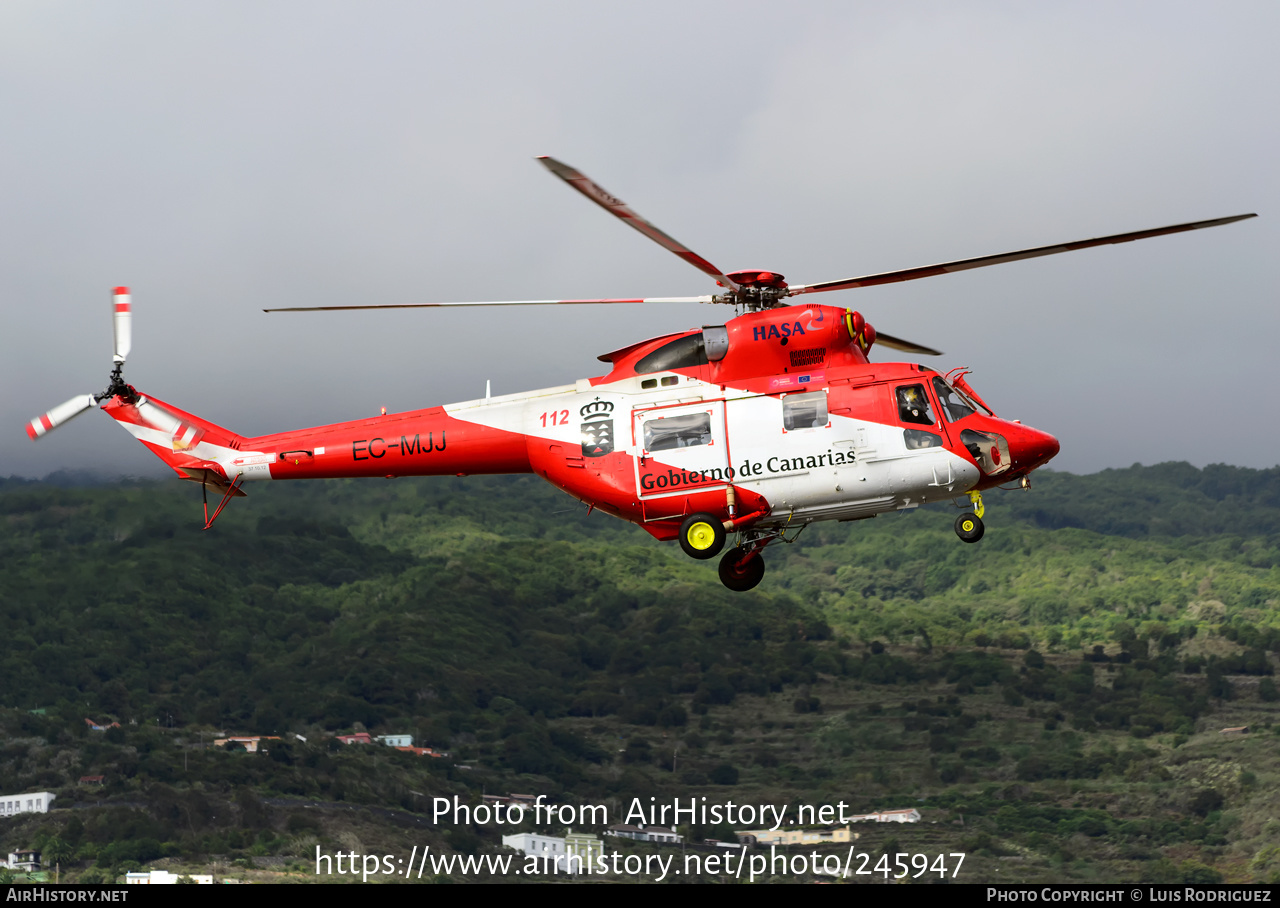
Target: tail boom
{"type": "Point", "coordinates": [426, 442]}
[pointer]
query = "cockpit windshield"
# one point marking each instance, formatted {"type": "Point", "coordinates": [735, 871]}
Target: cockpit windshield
{"type": "Point", "coordinates": [680, 353]}
{"type": "Point", "coordinates": [955, 406]}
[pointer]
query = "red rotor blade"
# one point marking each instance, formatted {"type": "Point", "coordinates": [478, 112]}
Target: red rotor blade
{"type": "Point", "coordinates": [911, 274]}
{"type": "Point", "coordinates": [618, 208]}
{"type": "Point", "coordinates": [888, 340]}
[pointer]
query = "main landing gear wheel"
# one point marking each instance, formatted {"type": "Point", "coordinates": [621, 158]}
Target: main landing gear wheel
{"type": "Point", "coordinates": [741, 578]}
{"type": "Point", "coordinates": [702, 536]}
{"type": "Point", "coordinates": [969, 527]}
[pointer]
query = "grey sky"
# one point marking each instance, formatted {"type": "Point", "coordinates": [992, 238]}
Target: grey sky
{"type": "Point", "coordinates": [222, 158]}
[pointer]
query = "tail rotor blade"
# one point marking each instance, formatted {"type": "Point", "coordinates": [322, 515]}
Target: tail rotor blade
{"type": "Point", "coordinates": [123, 323]}
{"type": "Point", "coordinates": [60, 414]}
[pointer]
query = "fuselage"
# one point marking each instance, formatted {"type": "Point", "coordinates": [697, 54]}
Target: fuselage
{"type": "Point", "coordinates": [775, 418]}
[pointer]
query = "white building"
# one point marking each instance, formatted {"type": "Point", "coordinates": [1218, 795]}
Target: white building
{"type": "Point", "coordinates": [550, 848]}
{"type": "Point", "coordinates": [154, 877]}
{"type": "Point", "coordinates": [31, 802]}
{"type": "Point", "coordinates": [905, 815]}
{"type": "Point", "coordinates": [645, 833]}
{"type": "Point", "coordinates": [543, 846]}
{"type": "Point", "coordinates": [28, 861]}
{"type": "Point", "coordinates": [396, 740]}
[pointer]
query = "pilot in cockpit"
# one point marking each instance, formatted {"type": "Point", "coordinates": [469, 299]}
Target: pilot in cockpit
{"type": "Point", "coordinates": [912, 406]}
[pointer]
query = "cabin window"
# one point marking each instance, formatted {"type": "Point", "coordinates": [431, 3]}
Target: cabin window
{"type": "Point", "coordinates": [648, 383]}
{"type": "Point", "coordinates": [669, 380]}
{"type": "Point", "coordinates": [954, 405]}
{"type": "Point", "coordinates": [671, 432]}
{"type": "Point", "coordinates": [913, 405]}
{"type": "Point", "coordinates": [681, 353]}
{"type": "Point", "coordinates": [917, 439]}
{"type": "Point", "coordinates": [804, 411]}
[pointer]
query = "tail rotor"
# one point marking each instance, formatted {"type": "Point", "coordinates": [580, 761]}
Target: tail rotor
{"type": "Point", "coordinates": [122, 324]}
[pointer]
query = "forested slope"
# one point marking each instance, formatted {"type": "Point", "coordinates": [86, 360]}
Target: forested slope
{"type": "Point", "coordinates": [339, 602]}
{"type": "Point", "coordinates": [495, 618]}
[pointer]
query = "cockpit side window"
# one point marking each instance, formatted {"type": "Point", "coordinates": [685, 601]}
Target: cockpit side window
{"type": "Point", "coordinates": [680, 353]}
{"type": "Point", "coordinates": [913, 405]}
{"type": "Point", "coordinates": [954, 406]}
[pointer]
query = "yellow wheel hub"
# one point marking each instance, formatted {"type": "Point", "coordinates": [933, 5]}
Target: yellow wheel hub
{"type": "Point", "coordinates": [968, 526]}
{"type": "Point", "coordinates": [701, 536]}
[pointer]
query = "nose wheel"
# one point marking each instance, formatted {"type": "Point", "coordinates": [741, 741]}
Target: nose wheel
{"type": "Point", "coordinates": [969, 527]}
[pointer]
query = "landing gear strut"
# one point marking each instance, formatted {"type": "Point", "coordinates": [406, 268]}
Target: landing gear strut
{"type": "Point", "coordinates": [742, 567]}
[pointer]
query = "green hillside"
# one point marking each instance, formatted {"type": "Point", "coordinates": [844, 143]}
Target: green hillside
{"type": "Point", "coordinates": [1049, 698]}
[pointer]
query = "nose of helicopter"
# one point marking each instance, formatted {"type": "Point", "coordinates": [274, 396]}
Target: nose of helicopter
{"type": "Point", "coordinates": [1032, 448]}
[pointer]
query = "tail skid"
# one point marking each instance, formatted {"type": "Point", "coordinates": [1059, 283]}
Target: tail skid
{"type": "Point", "coordinates": [231, 489]}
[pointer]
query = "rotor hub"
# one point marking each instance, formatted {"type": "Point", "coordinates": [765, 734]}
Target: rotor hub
{"type": "Point", "coordinates": [756, 289]}
{"type": "Point", "coordinates": [753, 277]}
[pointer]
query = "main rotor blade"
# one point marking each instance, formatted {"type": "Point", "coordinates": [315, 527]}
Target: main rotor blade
{"type": "Point", "coordinates": [60, 414]}
{"type": "Point", "coordinates": [619, 209]}
{"type": "Point", "coordinates": [911, 274]}
{"type": "Point", "coordinates": [653, 299]}
{"type": "Point", "coordinates": [897, 343]}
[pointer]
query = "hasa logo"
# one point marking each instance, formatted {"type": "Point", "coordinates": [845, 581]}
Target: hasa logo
{"type": "Point", "coordinates": [786, 329]}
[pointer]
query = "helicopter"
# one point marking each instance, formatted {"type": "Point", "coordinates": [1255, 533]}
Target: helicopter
{"type": "Point", "coordinates": [750, 429]}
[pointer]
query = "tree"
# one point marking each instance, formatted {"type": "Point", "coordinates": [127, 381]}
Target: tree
{"type": "Point", "coordinates": [1267, 691]}
{"type": "Point", "coordinates": [1206, 802]}
{"type": "Point", "coordinates": [725, 774]}
{"type": "Point", "coordinates": [56, 852]}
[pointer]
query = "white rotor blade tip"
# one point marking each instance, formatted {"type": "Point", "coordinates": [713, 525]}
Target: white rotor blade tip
{"type": "Point", "coordinates": [122, 322]}
{"type": "Point", "coordinates": [59, 414]}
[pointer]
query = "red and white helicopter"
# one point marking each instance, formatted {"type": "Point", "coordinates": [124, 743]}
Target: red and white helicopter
{"type": "Point", "coordinates": [755, 427]}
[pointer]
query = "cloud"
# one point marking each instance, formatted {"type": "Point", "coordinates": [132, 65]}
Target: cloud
{"type": "Point", "coordinates": [225, 159]}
